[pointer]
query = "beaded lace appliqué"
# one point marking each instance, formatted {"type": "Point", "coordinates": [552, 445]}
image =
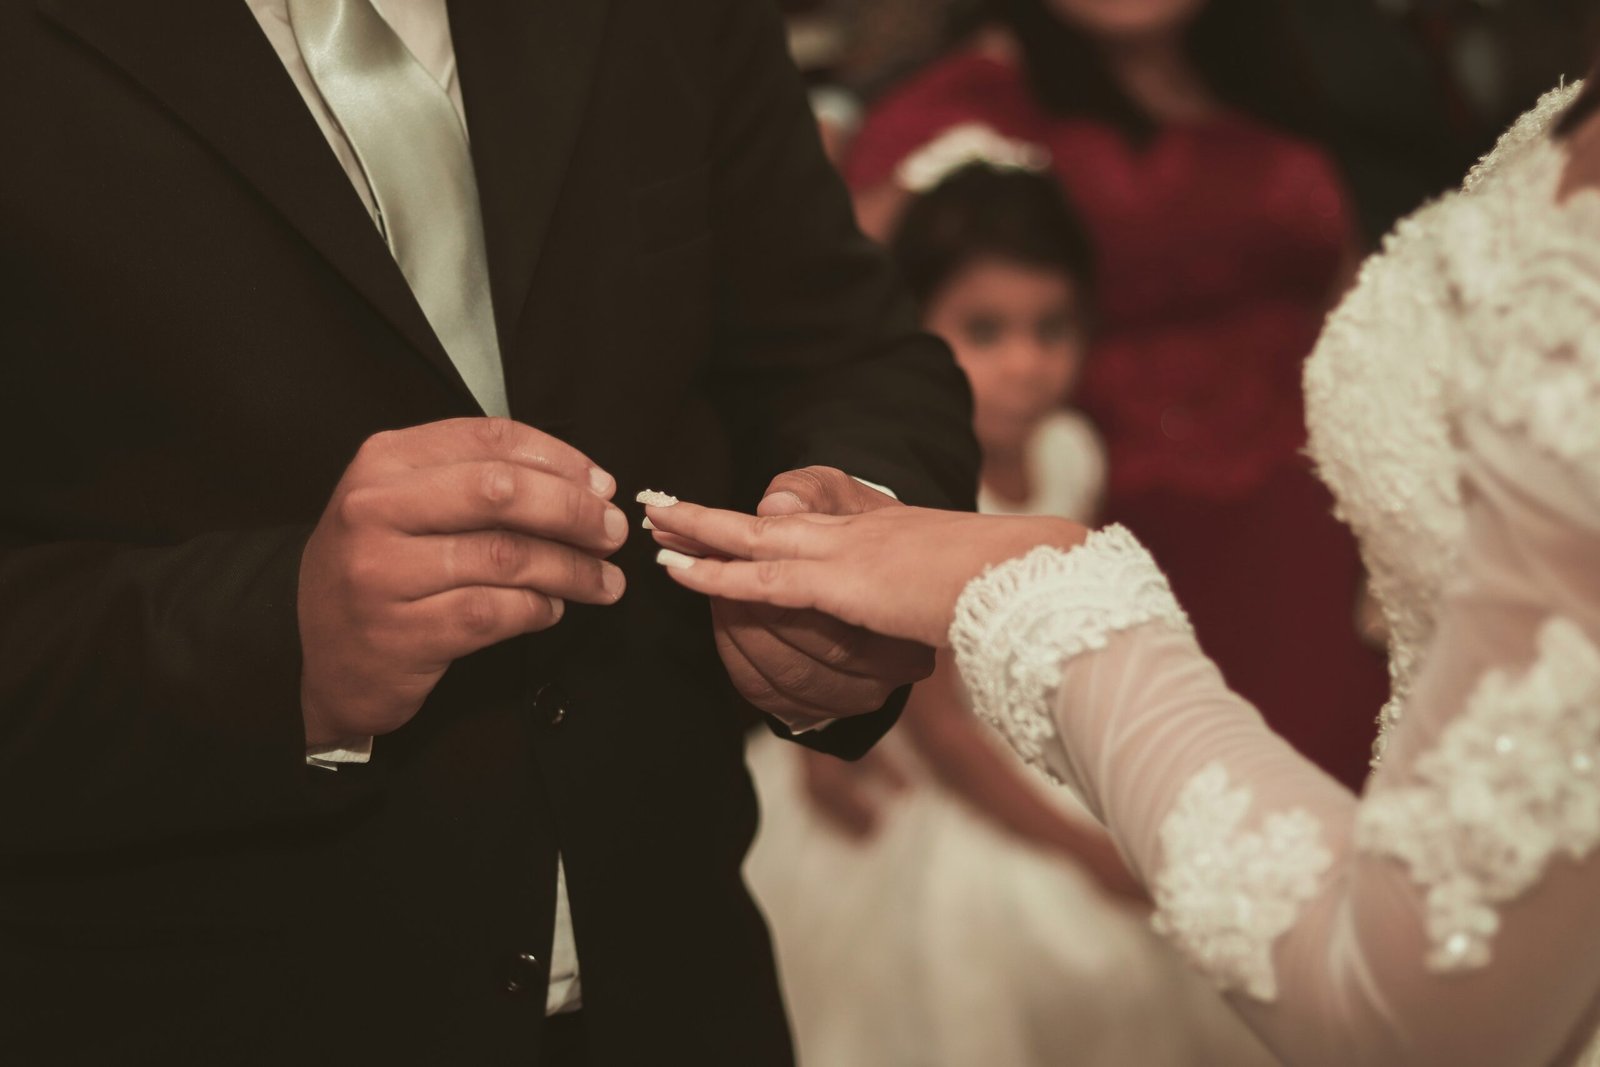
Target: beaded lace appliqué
{"type": "Point", "coordinates": [1513, 782]}
{"type": "Point", "coordinates": [1481, 303]}
{"type": "Point", "coordinates": [1018, 623]}
{"type": "Point", "coordinates": [1225, 896]}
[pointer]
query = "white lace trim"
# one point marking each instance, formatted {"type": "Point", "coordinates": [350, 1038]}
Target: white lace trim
{"type": "Point", "coordinates": [1018, 623]}
{"type": "Point", "coordinates": [1224, 896]}
{"type": "Point", "coordinates": [1511, 783]}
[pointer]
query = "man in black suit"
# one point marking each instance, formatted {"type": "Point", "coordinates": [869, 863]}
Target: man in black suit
{"type": "Point", "coordinates": [255, 512]}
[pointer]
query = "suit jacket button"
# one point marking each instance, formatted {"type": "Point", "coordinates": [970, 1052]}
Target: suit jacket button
{"type": "Point", "coordinates": [524, 973]}
{"type": "Point", "coordinates": [551, 702]}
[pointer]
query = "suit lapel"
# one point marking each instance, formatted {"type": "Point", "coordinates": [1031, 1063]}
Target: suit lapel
{"type": "Point", "coordinates": [526, 70]}
{"type": "Point", "coordinates": [208, 62]}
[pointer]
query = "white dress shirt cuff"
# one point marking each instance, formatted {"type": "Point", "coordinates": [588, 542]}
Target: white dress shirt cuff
{"type": "Point", "coordinates": [884, 489]}
{"type": "Point", "coordinates": [803, 724]}
{"type": "Point", "coordinates": [350, 750]}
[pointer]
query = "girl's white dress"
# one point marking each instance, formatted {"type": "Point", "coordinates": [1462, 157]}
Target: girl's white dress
{"type": "Point", "coordinates": [945, 942]}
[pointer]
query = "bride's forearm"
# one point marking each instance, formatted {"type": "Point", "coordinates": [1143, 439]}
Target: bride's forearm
{"type": "Point", "coordinates": [962, 754]}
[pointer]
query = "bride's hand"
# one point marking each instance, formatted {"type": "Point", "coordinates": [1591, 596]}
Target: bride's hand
{"type": "Point", "coordinates": [897, 571]}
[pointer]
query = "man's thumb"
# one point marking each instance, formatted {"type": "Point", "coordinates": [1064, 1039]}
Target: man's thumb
{"type": "Point", "coordinates": [782, 503]}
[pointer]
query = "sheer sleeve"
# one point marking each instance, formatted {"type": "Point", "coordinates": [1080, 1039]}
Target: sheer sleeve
{"type": "Point", "coordinates": [1449, 916]}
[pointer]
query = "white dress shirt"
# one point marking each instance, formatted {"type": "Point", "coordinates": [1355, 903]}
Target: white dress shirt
{"type": "Point", "coordinates": [424, 26]}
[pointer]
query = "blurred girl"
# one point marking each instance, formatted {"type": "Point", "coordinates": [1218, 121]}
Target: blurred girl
{"type": "Point", "coordinates": [930, 904]}
{"type": "Point", "coordinates": [1183, 130]}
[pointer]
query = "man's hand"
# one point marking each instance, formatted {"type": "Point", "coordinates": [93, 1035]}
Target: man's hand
{"type": "Point", "coordinates": [438, 541]}
{"type": "Point", "coordinates": [802, 666]}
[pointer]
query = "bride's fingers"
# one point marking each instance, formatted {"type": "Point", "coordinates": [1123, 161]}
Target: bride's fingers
{"type": "Point", "coordinates": [729, 533]}
{"type": "Point", "coordinates": [719, 533]}
{"type": "Point", "coordinates": [785, 583]}
{"type": "Point", "coordinates": [687, 546]}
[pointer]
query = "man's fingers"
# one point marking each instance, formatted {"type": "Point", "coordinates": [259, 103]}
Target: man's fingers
{"type": "Point", "coordinates": [756, 687]}
{"type": "Point", "coordinates": [845, 648]}
{"type": "Point", "coordinates": [465, 497]}
{"type": "Point", "coordinates": [784, 502]}
{"type": "Point", "coordinates": [461, 621]}
{"type": "Point", "coordinates": [455, 441]}
{"type": "Point", "coordinates": [778, 679]}
{"type": "Point", "coordinates": [824, 490]}
{"type": "Point", "coordinates": [426, 566]}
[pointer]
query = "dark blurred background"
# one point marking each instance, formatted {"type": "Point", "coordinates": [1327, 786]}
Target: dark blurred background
{"type": "Point", "coordinates": [1414, 90]}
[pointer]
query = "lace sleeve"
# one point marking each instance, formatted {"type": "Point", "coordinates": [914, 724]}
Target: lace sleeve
{"type": "Point", "coordinates": [1400, 929]}
{"type": "Point", "coordinates": [1015, 624]}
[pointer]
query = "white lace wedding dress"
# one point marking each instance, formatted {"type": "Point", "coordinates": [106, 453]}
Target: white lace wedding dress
{"type": "Point", "coordinates": [1451, 915]}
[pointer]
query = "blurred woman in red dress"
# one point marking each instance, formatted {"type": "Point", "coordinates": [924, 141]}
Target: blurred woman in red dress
{"type": "Point", "coordinates": [1182, 131]}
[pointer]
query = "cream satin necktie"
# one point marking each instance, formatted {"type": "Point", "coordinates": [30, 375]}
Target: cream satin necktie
{"type": "Point", "coordinates": [413, 149]}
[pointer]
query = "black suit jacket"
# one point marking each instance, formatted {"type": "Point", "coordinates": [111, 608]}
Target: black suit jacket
{"type": "Point", "coordinates": [198, 327]}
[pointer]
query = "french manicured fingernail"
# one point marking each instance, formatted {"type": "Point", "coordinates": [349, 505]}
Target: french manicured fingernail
{"type": "Point", "coordinates": [647, 524]}
{"type": "Point", "coordinates": [601, 482]}
{"type": "Point", "coordinates": [612, 580]}
{"type": "Point", "coordinates": [616, 524]}
{"type": "Point", "coordinates": [675, 560]}
{"type": "Point", "coordinates": [652, 498]}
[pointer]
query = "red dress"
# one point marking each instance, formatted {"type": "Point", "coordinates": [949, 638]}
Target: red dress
{"type": "Point", "coordinates": [1218, 247]}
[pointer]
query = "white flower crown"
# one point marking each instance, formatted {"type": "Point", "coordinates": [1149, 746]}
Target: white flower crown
{"type": "Point", "coordinates": [971, 142]}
